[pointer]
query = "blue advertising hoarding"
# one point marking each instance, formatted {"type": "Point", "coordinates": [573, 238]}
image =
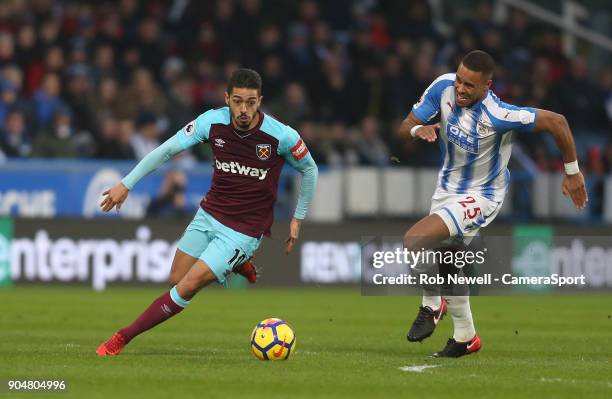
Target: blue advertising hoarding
{"type": "Point", "coordinates": [73, 188]}
{"type": "Point", "coordinates": [66, 188]}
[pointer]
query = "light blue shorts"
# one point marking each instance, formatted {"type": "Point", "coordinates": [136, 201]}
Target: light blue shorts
{"type": "Point", "coordinates": [219, 246]}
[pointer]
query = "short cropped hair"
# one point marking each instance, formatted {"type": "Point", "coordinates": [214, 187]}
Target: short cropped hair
{"type": "Point", "coordinates": [244, 78]}
{"type": "Point", "coordinates": [479, 61]}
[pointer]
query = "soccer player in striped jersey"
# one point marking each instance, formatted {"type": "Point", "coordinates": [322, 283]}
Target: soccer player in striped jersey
{"type": "Point", "coordinates": [249, 150]}
{"type": "Point", "coordinates": [474, 134]}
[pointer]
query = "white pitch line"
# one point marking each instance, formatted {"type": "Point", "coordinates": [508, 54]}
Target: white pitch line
{"type": "Point", "coordinates": [554, 380]}
{"type": "Point", "coordinates": [418, 368]}
{"type": "Point", "coordinates": [573, 381]}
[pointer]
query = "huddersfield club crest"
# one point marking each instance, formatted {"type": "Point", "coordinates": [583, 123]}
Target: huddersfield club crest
{"type": "Point", "coordinates": [263, 151]}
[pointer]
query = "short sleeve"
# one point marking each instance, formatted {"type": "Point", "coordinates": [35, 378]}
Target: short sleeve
{"type": "Point", "coordinates": [428, 105]}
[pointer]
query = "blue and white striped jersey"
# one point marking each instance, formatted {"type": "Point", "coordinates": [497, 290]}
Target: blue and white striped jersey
{"type": "Point", "coordinates": [475, 140]}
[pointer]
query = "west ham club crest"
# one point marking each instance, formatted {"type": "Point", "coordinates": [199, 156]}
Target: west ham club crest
{"type": "Point", "coordinates": [263, 151]}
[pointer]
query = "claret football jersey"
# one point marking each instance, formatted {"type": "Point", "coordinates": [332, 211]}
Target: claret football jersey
{"type": "Point", "coordinates": [246, 167]}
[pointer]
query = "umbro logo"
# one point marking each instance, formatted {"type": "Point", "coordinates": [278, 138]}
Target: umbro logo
{"type": "Point", "coordinates": [166, 309]}
{"type": "Point", "coordinates": [219, 142]}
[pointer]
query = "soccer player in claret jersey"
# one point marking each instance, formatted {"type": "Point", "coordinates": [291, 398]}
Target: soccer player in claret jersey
{"type": "Point", "coordinates": [474, 133]}
{"type": "Point", "coordinates": [249, 149]}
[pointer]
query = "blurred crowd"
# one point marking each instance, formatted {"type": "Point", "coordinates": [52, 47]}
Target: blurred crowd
{"type": "Point", "coordinates": [113, 79]}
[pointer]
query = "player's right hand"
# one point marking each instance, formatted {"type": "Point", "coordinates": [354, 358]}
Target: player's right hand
{"type": "Point", "coordinates": [573, 186]}
{"type": "Point", "coordinates": [114, 197]}
{"type": "Point", "coordinates": [428, 133]}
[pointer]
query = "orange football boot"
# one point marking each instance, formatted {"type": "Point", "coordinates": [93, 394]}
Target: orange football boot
{"type": "Point", "coordinates": [112, 347]}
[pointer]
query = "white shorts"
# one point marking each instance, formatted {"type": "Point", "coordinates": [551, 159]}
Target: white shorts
{"type": "Point", "coordinates": [464, 214]}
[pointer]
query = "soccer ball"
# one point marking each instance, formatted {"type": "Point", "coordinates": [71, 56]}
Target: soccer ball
{"type": "Point", "coordinates": [272, 339]}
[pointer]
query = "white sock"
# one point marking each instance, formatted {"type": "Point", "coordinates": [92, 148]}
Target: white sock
{"type": "Point", "coordinates": [433, 301]}
{"type": "Point", "coordinates": [459, 308]}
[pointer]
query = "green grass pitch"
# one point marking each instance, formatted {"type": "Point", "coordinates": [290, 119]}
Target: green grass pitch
{"type": "Point", "coordinates": [348, 346]}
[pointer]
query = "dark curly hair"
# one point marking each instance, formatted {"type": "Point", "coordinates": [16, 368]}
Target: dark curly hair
{"type": "Point", "coordinates": [244, 78]}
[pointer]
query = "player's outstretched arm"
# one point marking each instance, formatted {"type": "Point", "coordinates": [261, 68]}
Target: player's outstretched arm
{"type": "Point", "coordinates": [573, 182]}
{"type": "Point", "coordinates": [412, 127]}
{"type": "Point", "coordinates": [193, 133]}
{"type": "Point", "coordinates": [115, 196]}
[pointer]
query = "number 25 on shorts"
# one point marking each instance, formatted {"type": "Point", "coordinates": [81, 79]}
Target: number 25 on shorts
{"type": "Point", "coordinates": [471, 211]}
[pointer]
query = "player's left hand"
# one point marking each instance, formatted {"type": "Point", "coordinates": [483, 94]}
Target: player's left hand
{"type": "Point", "coordinates": [573, 186]}
{"type": "Point", "coordinates": [294, 232]}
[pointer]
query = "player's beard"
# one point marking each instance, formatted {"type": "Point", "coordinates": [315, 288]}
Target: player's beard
{"type": "Point", "coordinates": [243, 124]}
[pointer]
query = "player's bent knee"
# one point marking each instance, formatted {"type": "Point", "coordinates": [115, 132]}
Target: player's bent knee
{"type": "Point", "coordinates": [199, 276]}
{"type": "Point", "coordinates": [181, 264]}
